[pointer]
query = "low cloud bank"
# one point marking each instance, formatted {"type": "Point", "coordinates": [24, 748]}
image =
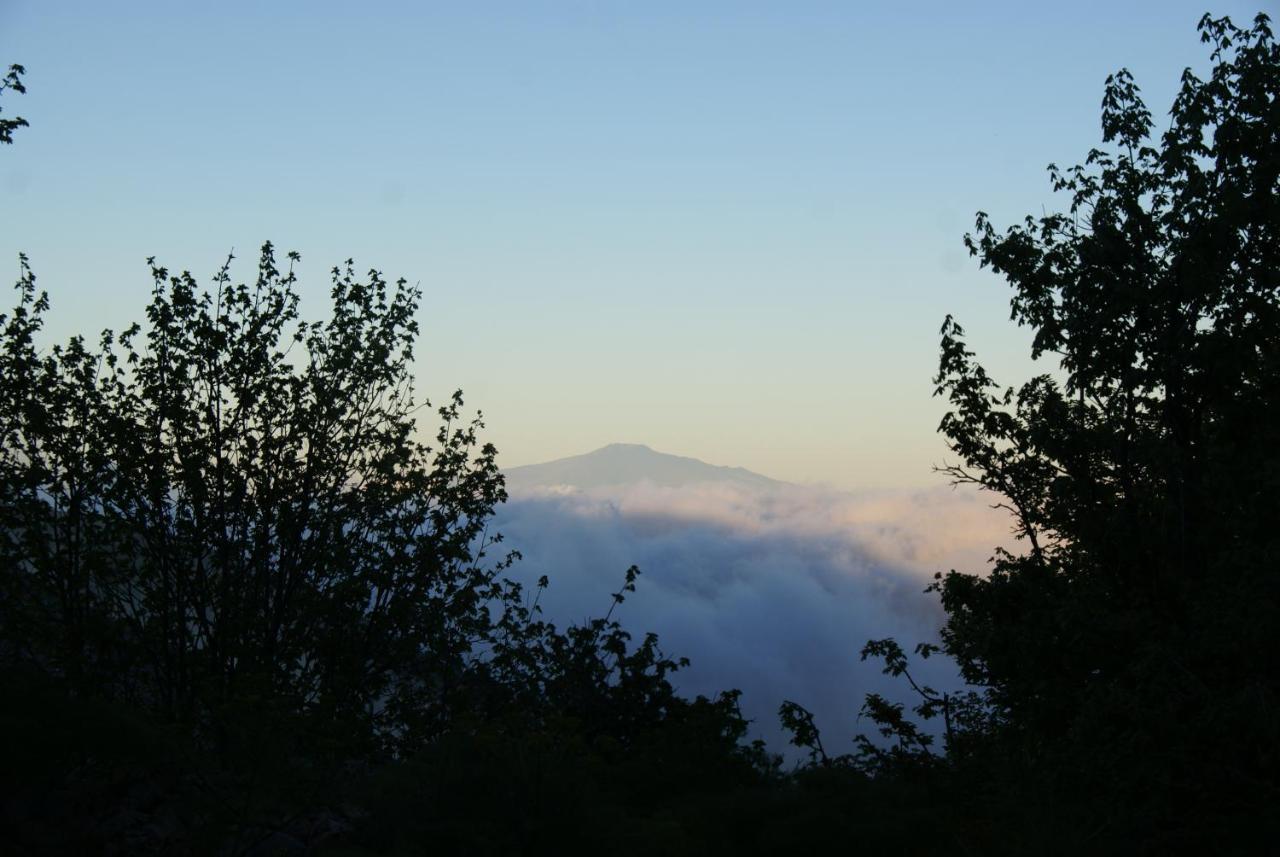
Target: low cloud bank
{"type": "Point", "coordinates": [769, 590]}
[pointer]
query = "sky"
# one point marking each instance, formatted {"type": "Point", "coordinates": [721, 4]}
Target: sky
{"type": "Point", "coordinates": [726, 230]}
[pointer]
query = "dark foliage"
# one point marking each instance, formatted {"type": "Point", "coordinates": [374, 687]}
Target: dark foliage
{"type": "Point", "coordinates": [222, 535]}
{"type": "Point", "coordinates": [12, 80]}
{"type": "Point", "coordinates": [1124, 687]}
{"type": "Point", "coordinates": [244, 609]}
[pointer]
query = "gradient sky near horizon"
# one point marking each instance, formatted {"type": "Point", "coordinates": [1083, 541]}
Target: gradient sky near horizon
{"type": "Point", "coordinates": [726, 230]}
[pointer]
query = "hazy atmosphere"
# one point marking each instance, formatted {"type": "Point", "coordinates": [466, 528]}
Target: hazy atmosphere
{"type": "Point", "coordinates": [716, 428]}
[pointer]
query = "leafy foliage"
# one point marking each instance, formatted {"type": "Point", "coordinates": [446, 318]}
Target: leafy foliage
{"type": "Point", "coordinates": [12, 80]}
{"type": "Point", "coordinates": [242, 516]}
{"type": "Point", "coordinates": [245, 608]}
{"type": "Point", "coordinates": [225, 522]}
{"type": "Point", "coordinates": [1116, 657]}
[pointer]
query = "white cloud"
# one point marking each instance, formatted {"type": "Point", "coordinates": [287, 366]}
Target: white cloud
{"type": "Point", "coordinates": [770, 590]}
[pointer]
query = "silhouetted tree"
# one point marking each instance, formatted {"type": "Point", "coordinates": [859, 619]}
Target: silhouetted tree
{"type": "Point", "coordinates": [1122, 687]}
{"type": "Point", "coordinates": [224, 523]}
{"type": "Point", "coordinates": [234, 502]}
{"type": "Point", "coordinates": [12, 80]}
{"type": "Point", "coordinates": [1122, 652]}
{"type": "Point", "coordinates": [238, 591]}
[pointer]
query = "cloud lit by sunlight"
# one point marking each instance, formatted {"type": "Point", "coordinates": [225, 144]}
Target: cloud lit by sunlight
{"type": "Point", "coordinates": [772, 590]}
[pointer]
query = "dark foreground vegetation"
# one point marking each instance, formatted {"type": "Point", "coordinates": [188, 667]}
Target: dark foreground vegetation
{"type": "Point", "coordinates": [244, 610]}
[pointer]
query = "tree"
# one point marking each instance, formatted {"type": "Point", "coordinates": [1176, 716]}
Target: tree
{"type": "Point", "coordinates": [1126, 644]}
{"type": "Point", "coordinates": [222, 542]}
{"type": "Point", "coordinates": [232, 574]}
{"type": "Point", "coordinates": [1122, 686]}
{"type": "Point", "coordinates": [233, 502]}
{"type": "Point", "coordinates": [12, 80]}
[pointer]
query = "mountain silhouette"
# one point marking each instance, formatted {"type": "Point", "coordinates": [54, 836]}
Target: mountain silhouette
{"type": "Point", "coordinates": [627, 464]}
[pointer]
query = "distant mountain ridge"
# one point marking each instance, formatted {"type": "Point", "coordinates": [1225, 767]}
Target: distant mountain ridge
{"type": "Point", "coordinates": [628, 464]}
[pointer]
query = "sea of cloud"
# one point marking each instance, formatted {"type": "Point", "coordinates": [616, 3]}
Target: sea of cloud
{"type": "Point", "coordinates": [770, 590]}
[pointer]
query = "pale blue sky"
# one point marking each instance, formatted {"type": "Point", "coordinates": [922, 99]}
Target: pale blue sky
{"type": "Point", "coordinates": [727, 230]}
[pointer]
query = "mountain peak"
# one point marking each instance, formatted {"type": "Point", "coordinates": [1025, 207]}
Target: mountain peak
{"type": "Point", "coordinates": [620, 464]}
